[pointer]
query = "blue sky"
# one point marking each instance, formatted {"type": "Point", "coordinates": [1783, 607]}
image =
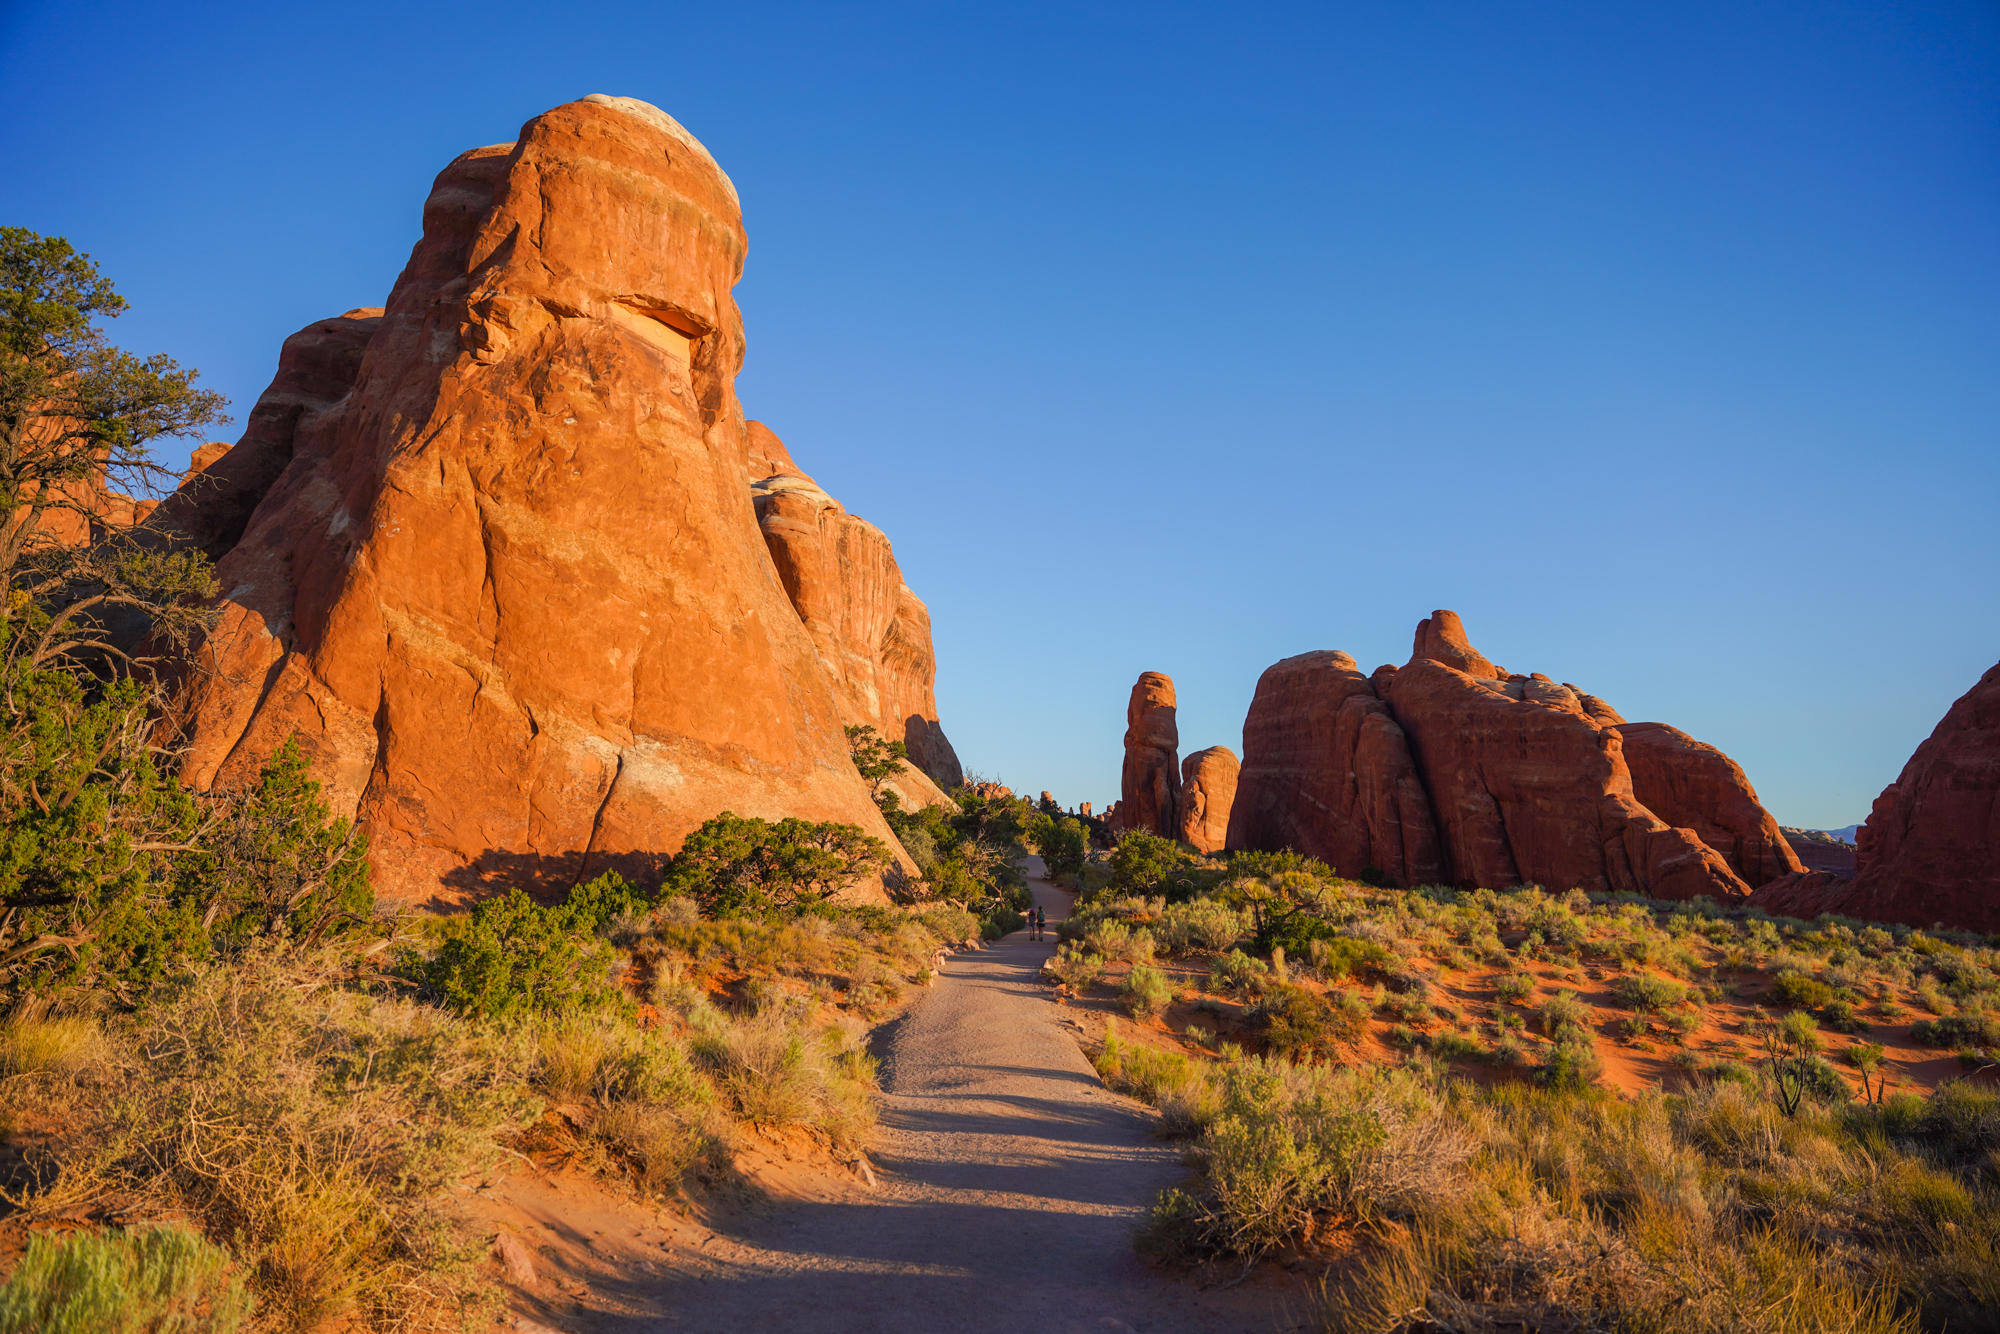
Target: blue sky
{"type": "Point", "coordinates": [1662, 342]}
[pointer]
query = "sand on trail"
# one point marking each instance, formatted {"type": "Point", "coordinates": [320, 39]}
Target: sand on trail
{"type": "Point", "coordinates": [1010, 1181]}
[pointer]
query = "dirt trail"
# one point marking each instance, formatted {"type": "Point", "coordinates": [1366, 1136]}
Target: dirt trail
{"type": "Point", "coordinates": [1010, 1181]}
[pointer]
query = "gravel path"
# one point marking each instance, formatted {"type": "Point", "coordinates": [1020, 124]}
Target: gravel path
{"type": "Point", "coordinates": [1011, 1180]}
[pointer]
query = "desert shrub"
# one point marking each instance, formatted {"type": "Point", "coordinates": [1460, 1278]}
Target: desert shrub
{"type": "Point", "coordinates": [733, 865]}
{"type": "Point", "coordinates": [1958, 1030]}
{"type": "Point", "coordinates": [314, 1127]}
{"type": "Point", "coordinates": [775, 1071]}
{"type": "Point", "coordinates": [1647, 994]}
{"type": "Point", "coordinates": [1061, 843]}
{"type": "Point", "coordinates": [1235, 971]}
{"type": "Point", "coordinates": [1002, 921]}
{"type": "Point", "coordinates": [1454, 1047]}
{"type": "Point", "coordinates": [60, 1044]}
{"type": "Point", "coordinates": [950, 925]}
{"type": "Point", "coordinates": [1204, 924]}
{"type": "Point", "coordinates": [151, 1280]}
{"type": "Point", "coordinates": [1564, 1010]}
{"type": "Point", "coordinates": [1345, 956]}
{"type": "Point", "coordinates": [1301, 1026]}
{"type": "Point", "coordinates": [1514, 988]}
{"type": "Point", "coordinates": [510, 957]}
{"type": "Point", "coordinates": [1117, 940]}
{"type": "Point", "coordinates": [1842, 1017]}
{"type": "Point", "coordinates": [1799, 992]}
{"type": "Point", "coordinates": [1571, 1062]}
{"type": "Point", "coordinates": [1144, 863]}
{"type": "Point", "coordinates": [1077, 967]}
{"type": "Point", "coordinates": [1145, 1072]}
{"type": "Point", "coordinates": [1145, 991]}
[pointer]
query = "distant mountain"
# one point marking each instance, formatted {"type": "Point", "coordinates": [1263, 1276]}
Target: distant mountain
{"type": "Point", "coordinates": [1844, 835]}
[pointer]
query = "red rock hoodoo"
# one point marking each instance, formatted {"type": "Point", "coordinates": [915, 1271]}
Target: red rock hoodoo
{"type": "Point", "coordinates": [1451, 769]}
{"type": "Point", "coordinates": [1930, 851]}
{"type": "Point", "coordinates": [1150, 788]}
{"type": "Point", "coordinates": [872, 633]}
{"type": "Point", "coordinates": [1208, 790]}
{"type": "Point", "coordinates": [1327, 772]}
{"type": "Point", "coordinates": [490, 553]}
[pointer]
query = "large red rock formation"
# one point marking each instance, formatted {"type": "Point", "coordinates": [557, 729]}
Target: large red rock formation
{"type": "Point", "coordinates": [1930, 851]}
{"type": "Point", "coordinates": [316, 368]}
{"type": "Point", "coordinates": [505, 583]}
{"type": "Point", "coordinates": [872, 633]}
{"type": "Point", "coordinates": [1327, 772]}
{"type": "Point", "coordinates": [1208, 790]}
{"type": "Point", "coordinates": [1150, 787]}
{"type": "Point", "coordinates": [1530, 784]}
{"type": "Point", "coordinates": [1692, 785]}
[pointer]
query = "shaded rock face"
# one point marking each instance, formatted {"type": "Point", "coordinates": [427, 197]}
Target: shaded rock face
{"type": "Point", "coordinates": [873, 635]}
{"type": "Point", "coordinates": [1150, 787]}
{"type": "Point", "coordinates": [1930, 851]}
{"type": "Point", "coordinates": [489, 553]}
{"type": "Point", "coordinates": [1530, 784]}
{"type": "Point", "coordinates": [1208, 790]}
{"type": "Point", "coordinates": [1452, 770]}
{"type": "Point", "coordinates": [1327, 771]}
{"type": "Point", "coordinates": [1692, 785]}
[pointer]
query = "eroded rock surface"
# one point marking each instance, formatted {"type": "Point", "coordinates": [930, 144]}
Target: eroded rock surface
{"type": "Point", "coordinates": [501, 574]}
{"type": "Point", "coordinates": [1150, 786]}
{"type": "Point", "coordinates": [1327, 772]}
{"type": "Point", "coordinates": [872, 633]}
{"type": "Point", "coordinates": [1692, 785]}
{"type": "Point", "coordinates": [1450, 769]}
{"type": "Point", "coordinates": [1208, 790]}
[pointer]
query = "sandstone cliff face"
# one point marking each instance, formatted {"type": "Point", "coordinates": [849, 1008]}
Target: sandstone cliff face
{"type": "Point", "coordinates": [504, 581]}
{"type": "Point", "coordinates": [1327, 772]}
{"type": "Point", "coordinates": [1930, 851]}
{"type": "Point", "coordinates": [872, 633]}
{"type": "Point", "coordinates": [1529, 787]}
{"type": "Point", "coordinates": [1150, 787]}
{"type": "Point", "coordinates": [1692, 785]}
{"type": "Point", "coordinates": [1208, 791]}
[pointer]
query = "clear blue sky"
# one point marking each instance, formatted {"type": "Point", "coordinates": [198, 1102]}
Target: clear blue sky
{"type": "Point", "coordinates": [1662, 342]}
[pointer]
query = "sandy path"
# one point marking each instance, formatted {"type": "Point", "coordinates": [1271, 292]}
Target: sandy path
{"type": "Point", "coordinates": [1010, 1183]}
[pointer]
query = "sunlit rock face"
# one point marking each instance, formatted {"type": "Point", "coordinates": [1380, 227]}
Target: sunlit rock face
{"type": "Point", "coordinates": [490, 553]}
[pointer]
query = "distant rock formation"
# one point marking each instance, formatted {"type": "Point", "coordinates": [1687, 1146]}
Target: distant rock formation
{"type": "Point", "coordinates": [1452, 770]}
{"type": "Point", "coordinates": [1150, 788]}
{"type": "Point", "coordinates": [1818, 850]}
{"type": "Point", "coordinates": [1208, 790]}
{"type": "Point", "coordinates": [1930, 851]}
{"type": "Point", "coordinates": [1327, 772]}
{"type": "Point", "coordinates": [872, 633]}
{"type": "Point", "coordinates": [488, 551]}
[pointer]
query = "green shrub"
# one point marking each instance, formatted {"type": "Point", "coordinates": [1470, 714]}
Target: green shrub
{"type": "Point", "coordinates": [1564, 1009]}
{"type": "Point", "coordinates": [510, 957]}
{"type": "Point", "coordinates": [1198, 924]}
{"type": "Point", "coordinates": [1798, 992]}
{"type": "Point", "coordinates": [153, 1280]}
{"type": "Point", "coordinates": [1571, 1063]}
{"type": "Point", "coordinates": [1647, 994]}
{"type": "Point", "coordinates": [733, 865]}
{"type": "Point", "coordinates": [1958, 1030]}
{"type": "Point", "coordinates": [1077, 967]}
{"type": "Point", "coordinates": [1454, 1047]}
{"type": "Point", "coordinates": [1235, 971]}
{"type": "Point", "coordinates": [1301, 1026]}
{"type": "Point", "coordinates": [1146, 991]}
{"type": "Point", "coordinates": [1515, 988]}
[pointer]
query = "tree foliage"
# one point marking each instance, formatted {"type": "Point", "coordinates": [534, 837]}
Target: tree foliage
{"type": "Point", "coordinates": [77, 416]}
{"type": "Point", "coordinates": [876, 758]}
{"type": "Point", "coordinates": [736, 865]}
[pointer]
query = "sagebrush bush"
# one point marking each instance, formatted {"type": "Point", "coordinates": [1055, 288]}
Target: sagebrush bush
{"type": "Point", "coordinates": [149, 1280]}
{"type": "Point", "coordinates": [1146, 991]}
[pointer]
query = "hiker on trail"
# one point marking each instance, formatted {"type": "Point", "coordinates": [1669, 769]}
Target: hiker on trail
{"type": "Point", "coordinates": [1041, 921]}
